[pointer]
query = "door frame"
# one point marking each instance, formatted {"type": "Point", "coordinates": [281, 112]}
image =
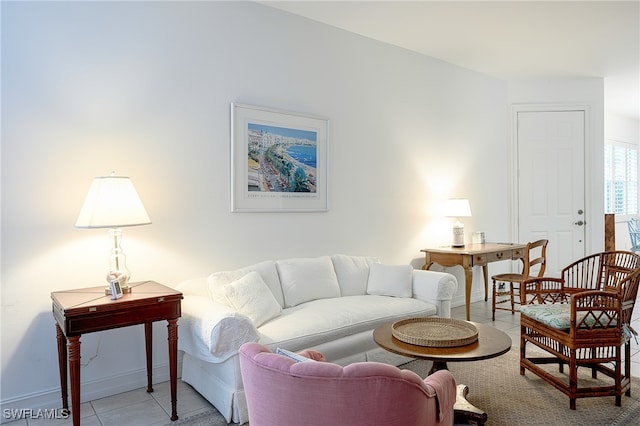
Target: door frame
{"type": "Point", "coordinates": [590, 211]}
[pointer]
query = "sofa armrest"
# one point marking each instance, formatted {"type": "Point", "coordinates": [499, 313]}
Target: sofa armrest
{"type": "Point", "coordinates": [435, 287]}
{"type": "Point", "coordinates": [211, 331]}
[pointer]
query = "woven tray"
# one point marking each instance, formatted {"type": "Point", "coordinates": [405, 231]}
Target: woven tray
{"type": "Point", "coordinates": [435, 332]}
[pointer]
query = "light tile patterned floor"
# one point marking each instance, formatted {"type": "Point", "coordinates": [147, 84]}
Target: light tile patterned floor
{"type": "Point", "coordinates": [140, 408]}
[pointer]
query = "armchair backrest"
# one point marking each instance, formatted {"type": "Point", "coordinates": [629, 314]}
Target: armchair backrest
{"type": "Point", "coordinates": [280, 391]}
{"type": "Point", "coordinates": [617, 266]}
{"type": "Point", "coordinates": [634, 234]}
{"type": "Point", "coordinates": [600, 271]}
{"type": "Point", "coordinates": [613, 271]}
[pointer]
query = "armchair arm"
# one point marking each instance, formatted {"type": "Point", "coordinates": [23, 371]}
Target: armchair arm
{"type": "Point", "coordinates": [444, 385]}
{"type": "Point", "coordinates": [543, 290]}
{"type": "Point", "coordinates": [435, 287]}
{"type": "Point", "coordinates": [211, 331]}
{"type": "Point", "coordinates": [595, 309]}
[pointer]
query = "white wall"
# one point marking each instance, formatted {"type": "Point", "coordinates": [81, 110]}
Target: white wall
{"type": "Point", "coordinates": [144, 89]}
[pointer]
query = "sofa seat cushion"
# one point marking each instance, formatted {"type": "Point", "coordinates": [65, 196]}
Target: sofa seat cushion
{"type": "Point", "coordinates": [319, 321]}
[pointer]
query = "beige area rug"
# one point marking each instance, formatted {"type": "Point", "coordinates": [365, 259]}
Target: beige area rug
{"type": "Point", "coordinates": [496, 386]}
{"type": "Point", "coordinates": [510, 399]}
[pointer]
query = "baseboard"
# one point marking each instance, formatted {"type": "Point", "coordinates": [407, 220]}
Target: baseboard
{"type": "Point", "coordinates": [459, 300]}
{"type": "Point", "coordinates": [89, 391]}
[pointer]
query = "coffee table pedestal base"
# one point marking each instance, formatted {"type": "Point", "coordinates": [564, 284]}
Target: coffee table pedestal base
{"type": "Point", "coordinates": [464, 411]}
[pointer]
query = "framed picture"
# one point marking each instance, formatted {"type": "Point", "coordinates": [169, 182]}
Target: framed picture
{"type": "Point", "coordinates": [278, 160]}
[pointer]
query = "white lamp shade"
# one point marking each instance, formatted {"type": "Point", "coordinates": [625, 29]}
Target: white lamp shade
{"type": "Point", "coordinates": [457, 207]}
{"type": "Point", "coordinates": [112, 202]}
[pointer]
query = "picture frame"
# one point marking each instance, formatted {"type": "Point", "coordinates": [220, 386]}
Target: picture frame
{"type": "Point", "coordinates": [279, 160]}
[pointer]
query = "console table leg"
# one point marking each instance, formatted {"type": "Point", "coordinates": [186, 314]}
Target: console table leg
{"type": "Point", "coordinates": [74, 369]}
{"type": "Point", "coordinates": [468, 282]}
{"type": "Point", "coordinates": [62, 368]}
{"type": "Point", "coordinates": [485, 272]}
{"type": "Point", "coordinates": [148, 344]}
{"type": "Point", "coordinates": [172, 330]}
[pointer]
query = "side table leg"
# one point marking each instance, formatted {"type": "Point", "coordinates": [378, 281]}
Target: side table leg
{"type": "Point", "coordinates": [62, 368]}
{"type": "Point", "coordinates": [74, 369]}
{"type": "Point", "coordinates": [148, 344]}
{"type": "Point", "coordinates": [438, 365]}
{"type": "Point", "coordinates": [172, 330]}
{"type": "Point", "coordinates": [464, 411]}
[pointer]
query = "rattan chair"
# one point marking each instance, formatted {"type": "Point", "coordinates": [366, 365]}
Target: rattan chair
{"type": "Point", "coordinates": [582, 320]}
{"type": "Point", "coordinates": [634, 234]}
{"type": "Point", "coordinates": [535, 258]}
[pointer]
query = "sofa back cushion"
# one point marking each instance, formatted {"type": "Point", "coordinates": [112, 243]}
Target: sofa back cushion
{"type": "Point", "coordinates": [352, 273]}
{"type": "Point", "coordinates": [250, 296]}
{"type": "Point", "coordinates": [267, 271]}
{"type": "Point", "coordinates": [390, 280]}
{"type": "Point", "coordinates": [307, 279]}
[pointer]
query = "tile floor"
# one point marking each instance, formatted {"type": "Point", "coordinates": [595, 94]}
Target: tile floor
{"type": "Point", "coordinates": [140, 408]}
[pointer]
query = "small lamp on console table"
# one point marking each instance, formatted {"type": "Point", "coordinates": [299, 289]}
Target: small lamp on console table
{"type": "Point", "coordinates": [112, 202]}
{"type": "Point", "coordinates": [457, 208]}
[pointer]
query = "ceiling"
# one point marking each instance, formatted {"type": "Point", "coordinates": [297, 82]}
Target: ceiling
{"type": "Point", "coordinates": [505, 39]}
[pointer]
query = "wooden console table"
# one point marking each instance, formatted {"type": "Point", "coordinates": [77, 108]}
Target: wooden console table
{"type": "Point", "coordinates": [473, 255]}
{"type": "Point", "coordinates": [88, 309]}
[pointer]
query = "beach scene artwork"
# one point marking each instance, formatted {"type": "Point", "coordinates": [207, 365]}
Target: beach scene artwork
{"type": "Point", "coordinates": [281, 159]}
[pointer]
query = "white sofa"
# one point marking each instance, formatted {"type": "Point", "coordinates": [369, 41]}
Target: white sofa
{"type": "Point", "coordinates": [329, 303]}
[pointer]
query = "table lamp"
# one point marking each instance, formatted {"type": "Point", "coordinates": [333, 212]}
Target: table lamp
{"type": "Point", "coordinates": [112, 202]}
{"type": "Point", "coordinates": [457, 208]}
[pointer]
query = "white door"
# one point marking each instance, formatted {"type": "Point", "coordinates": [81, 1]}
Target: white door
{"type": "Point", "coordinates": [551, 183]}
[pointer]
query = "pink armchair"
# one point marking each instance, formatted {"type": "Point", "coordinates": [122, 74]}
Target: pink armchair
{"type": "Point", "coordinates": [281, 391]}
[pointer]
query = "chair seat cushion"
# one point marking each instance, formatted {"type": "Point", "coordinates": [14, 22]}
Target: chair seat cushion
{"type": "Point", "coordinates": [558, 315]}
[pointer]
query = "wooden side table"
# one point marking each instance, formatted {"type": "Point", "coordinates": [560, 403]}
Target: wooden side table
{"type": "Point", "coordinates": [88, 310]}
{"type": "Point", "coordinates": [472, 255]}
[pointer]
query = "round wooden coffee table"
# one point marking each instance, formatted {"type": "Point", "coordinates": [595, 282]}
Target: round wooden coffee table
{"type": "Point", "coordinates": [491, 343]}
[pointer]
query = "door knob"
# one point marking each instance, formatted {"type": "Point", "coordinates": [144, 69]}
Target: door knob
{"type": "Point", "coordinates": [579, 223]}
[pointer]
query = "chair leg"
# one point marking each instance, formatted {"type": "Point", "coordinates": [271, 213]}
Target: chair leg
{"type": "Point", "coordinates": [573, 379]}
{"type": "Point", "coordinates": [513, 307]}
{"type": "Point", "coordinates": [627, 365]}
{"type": "Point", "coordinates": [493, 302]}
{"type": "Point", "coordinates": [523, 351]}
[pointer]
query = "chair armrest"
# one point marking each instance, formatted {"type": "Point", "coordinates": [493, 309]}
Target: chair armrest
{"type": "Point", "coordinates": [543, 290]}
{"type": "Point", "coordinates": [435, 287]}
{"type": "Point", "coordinates": [595, 309]}
{"type": "Point", "coordinates": [211, 331]}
